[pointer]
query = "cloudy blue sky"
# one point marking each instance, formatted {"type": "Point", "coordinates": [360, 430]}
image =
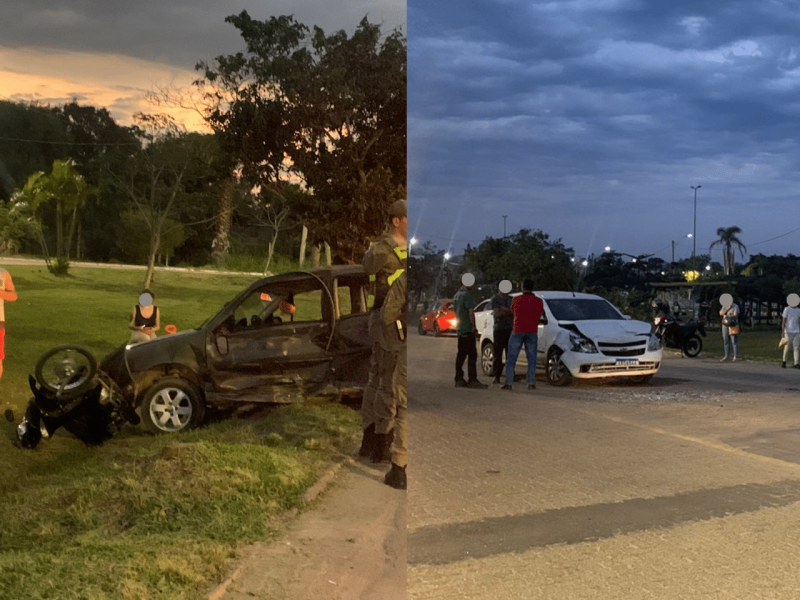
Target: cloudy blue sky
{"type": "Point", "coordinates": [591, 119]}
{"type": "Point", "coordinates": [110, 53]}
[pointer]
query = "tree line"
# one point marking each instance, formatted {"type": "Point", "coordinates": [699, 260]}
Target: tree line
{"type": "Point", "coordinates": [308, 134]}
{"type": "Point", "coordinates": [624, 279]}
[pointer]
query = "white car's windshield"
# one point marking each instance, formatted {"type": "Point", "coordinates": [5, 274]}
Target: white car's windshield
{"type": "Point", "coordinates": [583, 309]}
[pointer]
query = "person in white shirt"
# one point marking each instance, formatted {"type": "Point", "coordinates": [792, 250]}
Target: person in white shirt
{"type": "Point", "coordinates": [790, 329]}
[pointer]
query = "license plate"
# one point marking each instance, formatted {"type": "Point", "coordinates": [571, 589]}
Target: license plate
{"type": "Point", "coordinates": [627, 362]}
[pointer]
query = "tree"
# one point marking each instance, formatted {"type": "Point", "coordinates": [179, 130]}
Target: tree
{"type": "Point", "coordinates": [162, 176]}
{"type": "Point", "coordinates": [66, 190]}
{"type": "Point", "coordinates": [728, 239]}
{"type": "Point", "coordinates": [424, 265]}
{"type": "Point", "coordinates": [329, 110]}
{"type": "Point", "coordinates": [33, 137]}
{"type": "Point", "coordinates": [526, 254]}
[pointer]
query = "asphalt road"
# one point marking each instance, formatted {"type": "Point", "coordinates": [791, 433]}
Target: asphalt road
{"type": "Point", "coordinates": [688, 487]}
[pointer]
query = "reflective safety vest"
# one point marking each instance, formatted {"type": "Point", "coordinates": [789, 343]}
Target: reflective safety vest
{"type": "Point", "coordinates": [384, 263]}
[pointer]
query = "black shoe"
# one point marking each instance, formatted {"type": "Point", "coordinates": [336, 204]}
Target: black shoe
{"type": "Point", "coordinates": [796, 367]}
{"type": "Point", "coordinates": [396, 478]}
{"type": "Point", "coordinates": [496, 380]}
{"type": "Point", "coordinates": [783, 365]}
{"type": "Point", "coordinates": [531, 386]}
{"type": "Point", "coordinates": [367, 441]}
{"type": "Point", "coordinates": [381, 452]}
{"type": "Point", "coordinates": [461, 383]}
{"type": "Point", "coordinates": [506, 387]}
{"type": "Point", "coordinates": [476, 385]}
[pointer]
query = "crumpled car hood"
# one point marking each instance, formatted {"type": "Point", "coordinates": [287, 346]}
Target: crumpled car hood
{"type": "Point", "coordinates": [620, 331]}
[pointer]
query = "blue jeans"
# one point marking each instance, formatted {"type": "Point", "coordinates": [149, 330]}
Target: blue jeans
{"type": "Point", "coordinates": [730, 340]}
{"type": "Point", "coordinates": [515, 343]}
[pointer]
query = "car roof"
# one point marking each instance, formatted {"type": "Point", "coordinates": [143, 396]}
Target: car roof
{"type": "Point", "coordinates": [556, 295]}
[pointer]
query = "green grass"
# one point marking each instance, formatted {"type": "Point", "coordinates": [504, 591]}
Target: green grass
{"type": "Point", "coordinates": [122, 520]}
{"type": "Point", "coordinates": [758, 344]}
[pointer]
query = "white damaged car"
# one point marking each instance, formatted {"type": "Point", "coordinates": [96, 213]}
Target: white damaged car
{"type": "Point", "coordinates": [585, 336]}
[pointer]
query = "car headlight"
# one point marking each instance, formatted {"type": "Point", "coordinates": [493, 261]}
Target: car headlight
{"type": "Point", "coordinates": [653, 344]}
{"type": "Point", "coordinates": [582, 344]}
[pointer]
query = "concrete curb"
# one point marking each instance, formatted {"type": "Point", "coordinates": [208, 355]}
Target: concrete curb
{"type": "Point", "coordinates": [311, 494]}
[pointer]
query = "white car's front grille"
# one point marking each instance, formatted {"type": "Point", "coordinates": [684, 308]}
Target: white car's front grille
{"type": "Point", "coordinates": [633, 348]}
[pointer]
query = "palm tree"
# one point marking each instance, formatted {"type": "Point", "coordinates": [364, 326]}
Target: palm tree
{"type": "Point", "coordinates": [727, 239]}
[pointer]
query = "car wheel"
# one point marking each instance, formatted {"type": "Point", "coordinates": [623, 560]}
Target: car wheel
{"type": "Point", "coordinates": [641, 379]}
{"type": "Point", "coordinates": [436, 329]}
{"type": "Point", "coordinates": [420, 328]}
{"type": "Point", "coordinates": [693, 346]}
{"type": "Point", "coordinates": [172, 405]}
{"type": "Point", "coordinates": [66, 371]}
{"type": "Point", "coordinates": [557, 372]}
{"type": "Point", "coordinates": [487, 358]}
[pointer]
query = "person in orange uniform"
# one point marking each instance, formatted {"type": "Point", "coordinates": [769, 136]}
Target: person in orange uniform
{"type": "Point", "coordinates": [7, 294]}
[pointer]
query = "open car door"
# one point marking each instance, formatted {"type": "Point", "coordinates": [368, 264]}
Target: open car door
{"type": "Point", "coordinates": [273, 343]}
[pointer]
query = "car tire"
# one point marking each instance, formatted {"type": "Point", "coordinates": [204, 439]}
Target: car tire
{"type": "Point", "coordinates": [420, 328]}
{"type": "Point", "coordinates": [641, 379]}
{"type": "Point", "coordinates": [172, 405]}
{"type": "Point", "coordinates": [556, 370]}
{"type": "Point", "coordinates": [436, 329]}
{"type": "Point", "coordinates": [67, 371]}
{"type": "Point", "coordinates": [693, 346]}
{"type": "Point", "coordinates": [487, 358]}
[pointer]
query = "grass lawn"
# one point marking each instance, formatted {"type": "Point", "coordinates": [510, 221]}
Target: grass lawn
{"type": "Point", "coordinates": [124, 520]}
{"type": "Point", "coordinates": [758, 344]}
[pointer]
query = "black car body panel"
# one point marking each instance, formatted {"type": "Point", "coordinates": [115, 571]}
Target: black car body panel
{"type": "Point", "coordinates": [256, 350]}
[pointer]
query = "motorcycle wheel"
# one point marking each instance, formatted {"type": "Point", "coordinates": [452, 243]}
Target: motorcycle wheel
{"type": "Point", "coordinates": [66, 371]}
{"type": "Point", "coordinates": [693, 346]}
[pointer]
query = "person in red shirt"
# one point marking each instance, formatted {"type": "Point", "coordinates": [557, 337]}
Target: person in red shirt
{"type": "Point", "coordinates": [7, 294]}
{"type": "Point", "coordinates": [527, 308]}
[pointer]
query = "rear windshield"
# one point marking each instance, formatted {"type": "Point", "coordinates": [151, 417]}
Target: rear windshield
{"type": "Point", "coordinates": [583, 309]}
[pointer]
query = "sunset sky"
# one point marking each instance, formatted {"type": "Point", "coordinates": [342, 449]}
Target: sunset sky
{"type": "Point", "coordinates": [109, 53]}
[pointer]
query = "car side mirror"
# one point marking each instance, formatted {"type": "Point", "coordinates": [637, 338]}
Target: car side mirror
{"type": "Point", "coordinates": [222, 344]}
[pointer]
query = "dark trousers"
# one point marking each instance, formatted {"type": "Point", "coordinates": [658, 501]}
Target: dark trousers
{"type": "Point", "coordinates": [500, 337]}
{"type": "Point", "coordinates": [467, 350]}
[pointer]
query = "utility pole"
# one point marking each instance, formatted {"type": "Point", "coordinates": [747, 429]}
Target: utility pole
{"type": "Point", "coordinates": [504, 226]}
{"type": "Point", "coordinates": [694, 229]}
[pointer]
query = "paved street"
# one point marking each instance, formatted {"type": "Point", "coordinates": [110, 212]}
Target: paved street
{"type": "Point", "coordinates": [685, 488]}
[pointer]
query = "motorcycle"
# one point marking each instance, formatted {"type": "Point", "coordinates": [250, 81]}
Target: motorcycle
{"type": "Point", "coordinates": [684, 336]}
{"type": "Point", "coordinates": [70, 391]}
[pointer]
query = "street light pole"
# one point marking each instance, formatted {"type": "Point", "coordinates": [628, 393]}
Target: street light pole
{"type": "Point", "coordinates": [694, 229]}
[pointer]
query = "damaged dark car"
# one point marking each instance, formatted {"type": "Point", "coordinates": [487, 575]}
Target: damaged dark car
{"type": "Point", "coordinates": [282, 339]}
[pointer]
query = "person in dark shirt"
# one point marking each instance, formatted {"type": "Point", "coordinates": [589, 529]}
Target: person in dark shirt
{"type": "Point", "coordinates": [503, 324]}
{"type": "Point", "coordinates": [464, 308]}
{"type": "Point", "coordinates": [527, 309]}
{"type": "Point", "coordinates": [145, 319]}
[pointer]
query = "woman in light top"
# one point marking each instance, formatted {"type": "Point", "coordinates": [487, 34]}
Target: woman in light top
{"type": "Point", "coordinates": [145, 319]}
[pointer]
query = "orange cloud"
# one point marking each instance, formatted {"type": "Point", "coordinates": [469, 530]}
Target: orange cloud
{"type": "Point", "coordinates": [118, 83]}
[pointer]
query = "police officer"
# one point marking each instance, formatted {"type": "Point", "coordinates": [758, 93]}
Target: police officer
{"type": "Point", "coordinates": [384, 261]}
{"type": "Point", "coordinates": [395, 316]}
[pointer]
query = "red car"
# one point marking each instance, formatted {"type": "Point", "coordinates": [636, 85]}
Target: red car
{"type": "Point", "coordinates": [439, 319]}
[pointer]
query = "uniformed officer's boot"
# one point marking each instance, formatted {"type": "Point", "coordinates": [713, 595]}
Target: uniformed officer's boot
{"type": "Point", "coordinates": [367, 442]}
{"type": "Point", "coordinates": [383, 446]}
{"type": "Point", "coordinates": [396, 478]}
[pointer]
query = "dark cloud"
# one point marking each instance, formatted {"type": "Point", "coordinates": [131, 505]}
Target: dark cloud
{"type": "Point", "coordinates": [591, 118]}
{"type": "Point", "coordinates": [175, 32]}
